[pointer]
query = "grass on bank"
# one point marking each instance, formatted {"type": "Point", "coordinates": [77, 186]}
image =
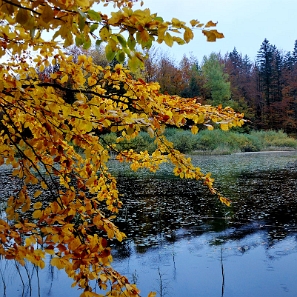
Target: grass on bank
{"type": "Point", "coordinates": [212, 142]}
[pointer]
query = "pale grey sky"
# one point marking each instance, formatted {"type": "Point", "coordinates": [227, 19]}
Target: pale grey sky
{"type": "Point", "coordinates": [245, 24]}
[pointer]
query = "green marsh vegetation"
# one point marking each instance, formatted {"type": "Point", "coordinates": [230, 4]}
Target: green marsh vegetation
{"type": "Point", "coordinates": [216, 142]}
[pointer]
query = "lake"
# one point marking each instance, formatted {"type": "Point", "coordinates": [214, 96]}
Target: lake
{"type": "Point", "coordinates": [183, 242]}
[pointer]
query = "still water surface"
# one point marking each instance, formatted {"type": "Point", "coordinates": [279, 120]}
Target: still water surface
{"type": "Point", "coordinates": [182, 242]}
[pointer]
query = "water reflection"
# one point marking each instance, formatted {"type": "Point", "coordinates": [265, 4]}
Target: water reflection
{"type": "Point", "coordinates": [183, 242]}
{"type": "Point", "coordinates": [206, 265]}
{"type": "Point", "coordinates": [262, 188]}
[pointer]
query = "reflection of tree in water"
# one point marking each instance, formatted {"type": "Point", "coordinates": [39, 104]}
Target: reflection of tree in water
{"type": "Point", "coordinates": [156, 208]}
{"type": "Point", "coordinates": [25, 278]}
{"type": "Point", "coordinates": [9, 270]}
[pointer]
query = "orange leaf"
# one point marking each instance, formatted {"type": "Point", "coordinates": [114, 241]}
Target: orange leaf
{"type": "Point", "coordinates": [210, 24]}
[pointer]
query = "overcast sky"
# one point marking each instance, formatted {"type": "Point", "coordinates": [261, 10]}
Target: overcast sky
{"type": "Point", "coordinates": [245, 24]}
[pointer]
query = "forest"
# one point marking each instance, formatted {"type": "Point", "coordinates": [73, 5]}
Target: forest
{"type": "Point", "coordinates": [264, 90]}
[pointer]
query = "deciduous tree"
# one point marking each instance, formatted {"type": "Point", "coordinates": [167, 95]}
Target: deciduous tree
{"type": "Point", "coordinates": [51, 129]}
{"type": "Point", "coordinates": [216, 81]}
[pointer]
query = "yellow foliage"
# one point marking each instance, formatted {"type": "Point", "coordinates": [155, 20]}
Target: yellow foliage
{"type": "Point", "coordinates": [51, 126]}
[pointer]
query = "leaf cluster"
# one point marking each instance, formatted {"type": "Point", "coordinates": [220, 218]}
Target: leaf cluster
{"type": "Point", "coordinates": [23, 23]}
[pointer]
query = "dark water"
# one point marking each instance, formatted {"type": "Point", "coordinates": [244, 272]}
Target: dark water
{"type": "Point", "coordinates": [183, 242]}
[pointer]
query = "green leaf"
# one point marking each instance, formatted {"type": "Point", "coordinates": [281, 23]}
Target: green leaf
{"type": "Point", "coordinates": [131, 43]}
{"type": "Point", "coordinates": [114, 38]}
{"type": "Point", "coordinates": [159, 19]}
{"type": "Point", "coordinates": [122, 40]}
{"type": "Point", "coordinates": [79, 40]}
{"type": "Point", "coordinates": [81, 22]}
{"type": "Point", "coordinates": [110, 54]}
{"type": "Point", "coordinates": [93, 15]}
{"type": "Point", "coordinates": [134, 63]}
{"type": "Point", "coordinates": [87, 44]}
{"type": "Point", "coordinates": [93, 27]}
{"type": "Point", "coordinates": [120, 56]}
{"type": "Point", "coordinates": [127, 51]}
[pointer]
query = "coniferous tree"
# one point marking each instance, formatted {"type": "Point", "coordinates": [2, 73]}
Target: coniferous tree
{"type": "Point", "coordinates": [294, 54]}
{"type": "Point", "coordinates": [264, 64]}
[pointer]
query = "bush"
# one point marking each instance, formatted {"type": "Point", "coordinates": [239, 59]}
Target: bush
{"type": "Point", "coordinates": [274, 139]}
{"type": "Point", "coordinates": [183, 140]}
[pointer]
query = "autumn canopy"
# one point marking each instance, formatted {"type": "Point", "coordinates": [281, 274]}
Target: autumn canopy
{"type": "Point", "coordinates": [52, 124]}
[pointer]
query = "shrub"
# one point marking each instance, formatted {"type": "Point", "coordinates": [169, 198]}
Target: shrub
{"type": "Point", "coordinates": [216, 141]}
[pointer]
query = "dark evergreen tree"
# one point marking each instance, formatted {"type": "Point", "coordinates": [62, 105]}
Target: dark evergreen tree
{"type": "Point", "coordinates": [265, 70]}
{"type": "Point", "coordinates": [277, 79]}
{"type": "Point", "coordinates": [294, 54]}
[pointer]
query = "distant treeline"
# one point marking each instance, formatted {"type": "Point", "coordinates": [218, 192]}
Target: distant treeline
{"type": "Point", "coordinates": [265, 90]}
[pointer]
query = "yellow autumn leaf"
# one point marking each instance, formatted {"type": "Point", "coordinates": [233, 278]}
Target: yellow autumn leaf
{"type": "Point", "coordinates": [37, 214]}
{"type": "Point", "coordinates": [83, 3]}
{"type": "Point", "coordinates": [104, 33]}
{"type": "Point", "coordinates": [151, 132]}
{"type": "Point", "coordinates": [91, 294]}
{"type": "Point", "coordinates": [86, 126]}
{"type": "Point", "coordinates": [188, 35]}
{"type": "Point", "coordinates": [210, 24]}
{"type": "Point", "coordinates": [74, 244]}
{"type": "Point", "coordinates": [15, 172]}
{"type": "Point", "coordinates": [64, 79]}
{"type": "Point", "coordinates": [59, 107]}
{"type": "Point", "coordinates": [10, 213]}
{"type": "Point", "coordinates": [92, 81]}
{"type": "Point", "coordinates": [30, 240]}
{"type": "Point", "coordinates": [43, 185]}
{"type": "Point", "coordinates": [144, 37]}
{"type": "Point", "coordinates": [194, 23]}
{"type": "Point", "coordinates": [224, 126]}
{"type": "Point", "coordinates": [49, 251]}
{"type": "Point", "coordinates": [57, 262]}
{"type": "Point", "coordinates": [168, 39]}
{"type": "Point", "coordinates": [224, 200]}
{"type": "Point", "coordinates": [194, 129]}
{"type": "Point", "coordinates": [37, 205]}
{"type": "Point", "coordinates": [217, 34]}
{"type": "Point", "coordinates": [114, 129]}
{"type": "Point", "coordinates": [37, 193]}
